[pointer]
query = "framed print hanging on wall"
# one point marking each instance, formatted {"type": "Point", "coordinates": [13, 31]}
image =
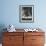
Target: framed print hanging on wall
{"type": "Point", "coordinates": [26, 13]}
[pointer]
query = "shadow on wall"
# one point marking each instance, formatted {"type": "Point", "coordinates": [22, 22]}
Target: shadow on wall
{"type": "Point", "coordinates": [2, 26]}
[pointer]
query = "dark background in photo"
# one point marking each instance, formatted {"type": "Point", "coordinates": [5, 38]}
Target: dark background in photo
{"type": "Point", "coordinates": [27, 11]}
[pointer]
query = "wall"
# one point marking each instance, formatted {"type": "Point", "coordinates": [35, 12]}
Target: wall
{"type": "Point", "coordinates": [10, 13]}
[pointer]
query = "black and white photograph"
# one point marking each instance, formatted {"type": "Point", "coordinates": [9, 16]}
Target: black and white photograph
{"type": "Point", "coordinates": [26, 13]}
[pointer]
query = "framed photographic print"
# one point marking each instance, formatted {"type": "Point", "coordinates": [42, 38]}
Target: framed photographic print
{"type": "Point", "coordinates": [26, 13]}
